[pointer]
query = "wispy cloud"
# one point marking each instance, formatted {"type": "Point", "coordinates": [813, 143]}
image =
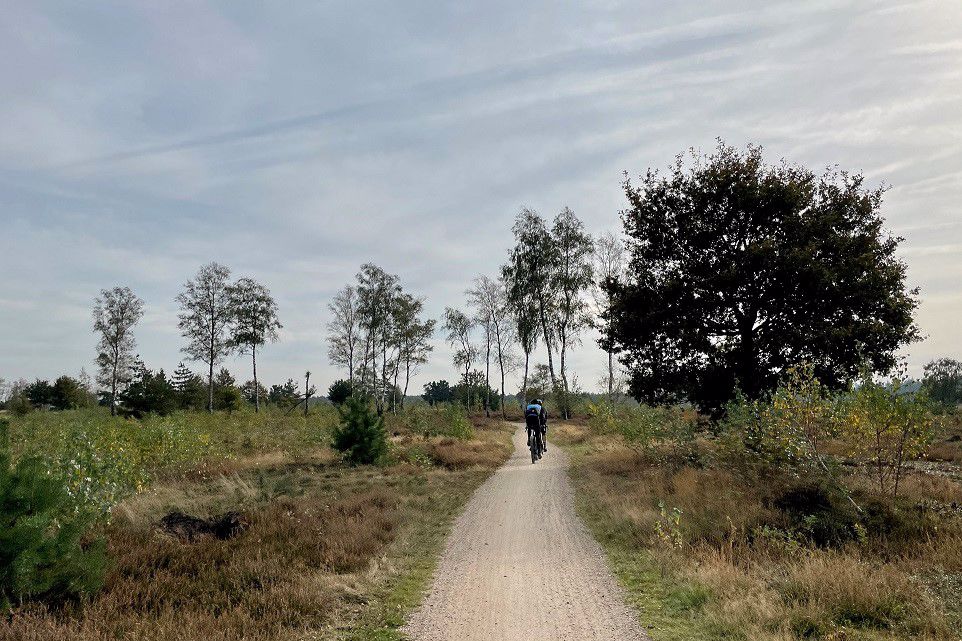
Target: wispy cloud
{"type": "Point", "coordinates": [294, 143]}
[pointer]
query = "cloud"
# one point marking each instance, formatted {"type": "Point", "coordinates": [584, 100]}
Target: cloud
{"type": "Point", "coordinates": [138, 142]}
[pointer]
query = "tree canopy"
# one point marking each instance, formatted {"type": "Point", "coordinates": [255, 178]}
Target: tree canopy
{"type": "Point", "coordinates": [739, 270]}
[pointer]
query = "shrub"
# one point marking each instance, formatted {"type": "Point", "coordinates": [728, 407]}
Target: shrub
{"type": "Point", "coordinates": [446, 420]}
{"type": "Point", "coordinates": [230, 399]}
{"type": "Point", "coordinates": [789, 429]}
{"type": "Point", "coordinates": [644, 427]}
{"type": "Point", "coordinates": [360, 436]}
{"type": "Point", "coordinates": [149, 393]}
{"type": "Point", "coordinates": [820, 513]}
{"type": "Point", "coordinates": [67, 394]}
{"type": "Point", "coordinates": [455, 423]}
{"type": "Point", "coordinates": [887, 426]}
{"type": "Point", "coordinates": [42, 555]}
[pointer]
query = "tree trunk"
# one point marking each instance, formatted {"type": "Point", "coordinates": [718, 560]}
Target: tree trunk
{"type": "Point", "coordinates": [210, 388]}
{"type": "Point", "coordinates": [307, 393]}
{"type": "Point", "coordinates": [384, 377]}
{"type": "Point", "coordinates": [547, 344]}
{"type": "Point", "coordinates": [397, 370]}
{"type": "Point", "coordinates": [611, 376]}
{"type": "Point", "coordinates": [407, 380]}
{"type": "Point", "coordinates": [504, 414]}
{"type": "Point", "coordinates": [564, 376]}
{"type": "Point", "coordinates": [524, 381]}
{"type": "Point", "coordinates": [113, 389]}
{"type": "Point", "coordinates": [487, 375]}
{"type": "Point", "coordinates": [257, 396]}
{"type": "Point", "coordinates": [350, 365]}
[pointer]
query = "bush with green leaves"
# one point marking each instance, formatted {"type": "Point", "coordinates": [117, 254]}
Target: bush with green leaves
{"type": "Point", "coordinates": [360, 436]}
{"type": "Point", "coordinates": [427, 421]}
{"type": "Point", "coordinates": [788, 429]}
{"type": "Point", "coordinates": [643, 426]}
{"type": "Point", "coordinates": [43, 552]}
{"type": "Point", "coordinates": [886, 425]}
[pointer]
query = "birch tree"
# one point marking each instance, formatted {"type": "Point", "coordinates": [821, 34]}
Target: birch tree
{"type": "Point", "coordinates": [459, 327]}
{"type": "Point", "coordinates": [413, 339]}
{"type": "Point", "coordinates": [489, 298]}
{"type": "Point", "coordinates": [116, 312]}
{"type": "Point", "coordinates": [377, 294]}
{"type": "Point", "coordinates": [254, 322]}
{"type": "Point", "coordinates": [571, 276]}
{"type": "Point", "coordinates": [526, 276]}
{"type": "Point", "coordinates": [609, 265]}
{"type": "Point", "coordinates": [204, 320]}
{"type": "Point", "coordinates": [344, 338]}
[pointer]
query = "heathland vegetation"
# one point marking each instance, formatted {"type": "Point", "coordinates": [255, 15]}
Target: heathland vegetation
{"type": "Point", "coordinates": [755, 461]}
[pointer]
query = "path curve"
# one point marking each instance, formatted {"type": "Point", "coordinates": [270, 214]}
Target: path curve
{"type": "Point", "coordinates": [519, 564]}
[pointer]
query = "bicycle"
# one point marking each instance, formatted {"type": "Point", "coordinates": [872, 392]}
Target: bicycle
{"type": "Point", "coordinates": [536, 444]}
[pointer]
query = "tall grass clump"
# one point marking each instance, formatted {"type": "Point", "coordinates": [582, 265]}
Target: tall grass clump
{"type": "Point", "coordinates": [448, 420]}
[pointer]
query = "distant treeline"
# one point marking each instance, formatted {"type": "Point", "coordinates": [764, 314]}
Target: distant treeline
{"type": "Point", "coordinates": [730, 272]}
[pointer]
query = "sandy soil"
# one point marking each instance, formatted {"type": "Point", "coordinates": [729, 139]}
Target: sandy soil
{"type": "Point", "coordinates": [520, 564]}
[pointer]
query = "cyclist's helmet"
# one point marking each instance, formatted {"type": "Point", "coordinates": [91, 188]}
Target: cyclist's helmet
{"type": "Point", "coordinates": [538, 401]}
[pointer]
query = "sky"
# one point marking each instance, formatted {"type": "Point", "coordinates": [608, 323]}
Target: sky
{"type": "Point", "coordinates": [295, 141]}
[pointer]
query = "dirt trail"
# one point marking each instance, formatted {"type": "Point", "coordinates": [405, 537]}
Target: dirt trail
{"type": "Point", "coordinates": [520, 564]}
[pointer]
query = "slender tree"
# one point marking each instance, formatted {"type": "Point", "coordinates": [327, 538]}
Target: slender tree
{"type": "Point", "coordinates": [570, 277]}
{"type": "Point", "coordinates": [344, 331]}
{"type": "Point", "coordinates": [413, 339]}
{"type": "Point", "coordinates": [459, 327]}
{"type": "Point", "coordinates": [489, 299]}
{"type": "Point", "coordinates": [116, 312]}
{"type": "Point", "coordinates": [480, 300]}
{"type": "Point", "coordinates": [609, 266]}
{"type": "Point", "coordinates": [525, 277]}
{"type": "Point", "coordinates": [254, 322]}
{"type": "Point", "coordinates": [308, 392]}
{"type": "Point", "coordinates": [377, 293]}
{"type": "Point", "coordinates": [205, 317]}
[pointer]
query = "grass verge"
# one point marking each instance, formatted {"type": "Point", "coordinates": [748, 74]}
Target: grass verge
{"type": "Point", "coordinates": [328, 551]}
{"type": "Point", "coordinates": [728, 565]}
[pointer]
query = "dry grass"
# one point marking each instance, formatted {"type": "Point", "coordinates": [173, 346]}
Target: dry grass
{"type": "Point", "coordinates": [458, 455]}
{"type": "Point", "coordinates": [275, 580]}
{"type": "Point", "coordinates": [327, 548]}
{"type": "Point", "coordinates": [745, 569]}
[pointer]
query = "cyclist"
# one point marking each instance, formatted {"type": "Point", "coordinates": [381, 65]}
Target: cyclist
{"type": "Point", "coordinates": [536, 420]}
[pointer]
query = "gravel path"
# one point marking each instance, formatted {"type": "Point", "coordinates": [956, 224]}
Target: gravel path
{"type": "Point", "coordinates": [520, 564]}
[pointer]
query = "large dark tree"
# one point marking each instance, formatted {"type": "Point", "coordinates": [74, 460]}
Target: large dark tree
{"type": "Point", "coordinates": [740, 269]}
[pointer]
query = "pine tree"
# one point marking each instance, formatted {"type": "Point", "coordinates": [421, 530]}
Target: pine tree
{"type": "Point", "coordinates": [190, 388]}
{"type": "Point", "coordinates": [41, 551]}
{"type": "Point", "coordinates": [360, 434]}
{"type": "Point", "coordinates": [181, 378]}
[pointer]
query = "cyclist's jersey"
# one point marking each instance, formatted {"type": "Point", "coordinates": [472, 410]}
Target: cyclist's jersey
{"type": "Point", "coordinates": [535, 416]}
